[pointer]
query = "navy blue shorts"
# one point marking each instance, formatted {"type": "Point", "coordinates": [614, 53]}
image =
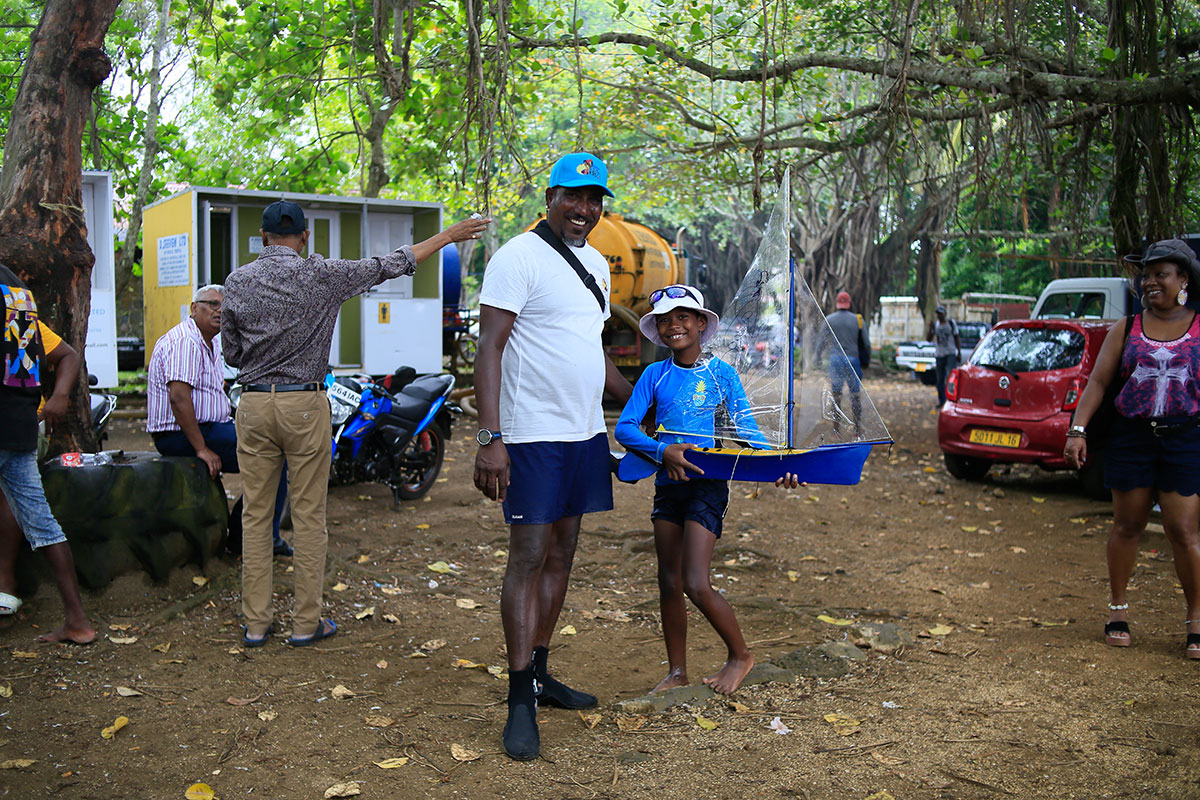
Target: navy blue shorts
{"type": "Point", "coordinates": [1135, 458]}
{"type": "Point", "coordinates": [552, 480]}
{"type": "Point", "coordinates": [701, 500]}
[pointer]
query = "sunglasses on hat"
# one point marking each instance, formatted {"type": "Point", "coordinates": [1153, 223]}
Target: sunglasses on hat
{"type": "Point", "coordinates": [673, 292]}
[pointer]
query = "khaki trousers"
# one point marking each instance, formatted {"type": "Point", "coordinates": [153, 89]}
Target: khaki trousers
{"type": "Point", "coordinates": [273, 428]}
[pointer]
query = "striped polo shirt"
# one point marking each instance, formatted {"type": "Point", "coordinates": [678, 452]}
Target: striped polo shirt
{"type": "Point", "coordinates": [182, 355]}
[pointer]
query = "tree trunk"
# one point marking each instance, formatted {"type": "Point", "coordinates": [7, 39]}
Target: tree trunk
{"type": "Point", "coordinates": [42, 234]}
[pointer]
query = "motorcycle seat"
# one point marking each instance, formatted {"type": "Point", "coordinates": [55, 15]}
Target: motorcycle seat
{"type": "Point", "coordinates": [406, 411]}
{"type": "Point", "coordinates": [427, 388]}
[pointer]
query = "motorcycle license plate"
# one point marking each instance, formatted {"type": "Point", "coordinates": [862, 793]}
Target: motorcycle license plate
{"type": "Point", "coordinates": [995, 438]}
{"type": "Point", "coordinates": [345, 394]}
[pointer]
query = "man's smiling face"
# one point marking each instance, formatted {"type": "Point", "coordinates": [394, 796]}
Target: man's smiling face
{"type": "Point", "coordinates": [573, 211]}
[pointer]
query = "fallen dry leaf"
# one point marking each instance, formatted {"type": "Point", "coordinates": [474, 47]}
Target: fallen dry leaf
{"type": "Point", "coordinates": [390, 590]}
{"type": "Point", "coordinates": [882, 794]}
{"type": "Point", "coordinates": [842, 724]}
{"type": "Point", "coordinates": [339, 587]}
{"type": "Point", "coordinates": [242, 701]}
{"type": "Point", "coordinates": [382, 663]}
{"type": "Point", "coordinates": [461, 753]}
{"type": "Point", "coordinates": [969, 528]}
{"type": "Point", "coordinates": [1039, 499]}
{"type": "Point", "coordinates": [440, 567]}
{"type": "Point", "coordinates": [200, 580]}
{"type": "Point", "coordinates": [268, 716]}
{"type": "Point", "coordinates": [1017, 549]}
{"type": "Point", "coordinates": [887, 761]}
{"type": "Point", "coordinates": [122, 639]}
{"type": "Point", "coordinates": [834, 621]}
{"type": "Point", "coordinates": [568, 630]}
{"type": "Point", "coordinates": [120, 626]}
{"type": "Point", "coordinates": [741, 708]}
{"type": "Point", "coordinates": [17, 763]}
{"type": "Point", "coordinates": [423, 526]}
{"type": "Point", "coordinates": [125, 691]}
{"type": "Point", "coordinates": [434, 644]}
{"type": "Point", "coordinates": [391, 763]}
{"type": "Point", "coordinates": [343, 789]}
{"type": "Point", "coordinates": [364, 558]}
{"type": "Point", "coordinates": [615, 615]}
{"type": "Point", "coordinates": [940, 630]}
{"type": "Point", "coordinates": [590, 720]}
{"type": "Point", "coordinates": [462, 663]}
{"type": "Point", "coordinates": [340, 692]}
{"type": "Point", "coordinates": [626, 724]}
{"type": "Point", "coordinates": [392, 618]}
{"type": "Point", "coordinates": [6, 691]}
{"type": "Point", "coordinates": [705, 723]}
{"type": "Point", "coordinates": [792, 575]}
{"type": "Point", "coordinates": [369, 611]}
{"type": "Point", "coordinates": [165, 647]}
{"type": "Point", "coordinates": [111, 730]}
{"type": "Point", "coordinates": [379, 722]}
{"type": "Point", "coordinates": [467, 603]}
{"type": "Point", "coordinates": [200, 791]}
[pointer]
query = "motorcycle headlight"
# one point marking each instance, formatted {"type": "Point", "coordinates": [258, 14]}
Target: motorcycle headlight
{"type": "Point", "coordinates": [339, 412]}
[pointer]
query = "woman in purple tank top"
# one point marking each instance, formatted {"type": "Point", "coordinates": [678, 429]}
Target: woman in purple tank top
{"type": "Point", "coordinates": [1153, 449]}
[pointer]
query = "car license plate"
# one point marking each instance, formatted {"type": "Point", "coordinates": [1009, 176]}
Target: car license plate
{"type": "Point", "coordinates": [920, 366]}
{"type": "Point", "coordinates": [345, 394]}
{"type": "Point", "coordinates": [995, 438]}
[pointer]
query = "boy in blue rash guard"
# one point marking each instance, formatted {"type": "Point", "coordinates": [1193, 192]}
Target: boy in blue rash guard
{"type": "Point", "coordinates": [685, 392]}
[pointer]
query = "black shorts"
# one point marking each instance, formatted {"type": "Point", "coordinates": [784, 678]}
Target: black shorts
{"type": "Point", "coordinates": [701, 500]}
{"type": "Point", "coordinates": [1134, 458]}
{"type": "Point", "coordinates": [552, 480]}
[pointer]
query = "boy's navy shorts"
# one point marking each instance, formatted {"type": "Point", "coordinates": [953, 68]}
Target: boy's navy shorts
{"type": "Point", "coordinates": [702, 500]}
{"type": "Point", "coordinates": [552, 480]}
{"type": "Point", "coordinates": [1135, 458]}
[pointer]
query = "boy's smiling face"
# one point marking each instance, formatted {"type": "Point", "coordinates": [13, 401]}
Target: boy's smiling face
{"type": "Point", "coordinates": [680, 330]}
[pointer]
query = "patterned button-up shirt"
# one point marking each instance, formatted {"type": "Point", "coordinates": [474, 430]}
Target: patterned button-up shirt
{"type": "Point", "coordinates": [183, 355]}
{"type": "Point", "coordinates": [279, 311]}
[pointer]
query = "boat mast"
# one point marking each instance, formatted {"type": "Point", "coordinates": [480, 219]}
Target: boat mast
{"type": "Point", "coordinates": [791, 337]}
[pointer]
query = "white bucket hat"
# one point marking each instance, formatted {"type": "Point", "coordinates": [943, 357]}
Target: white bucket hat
{"type": "Point", "coordinates": [670, 298]}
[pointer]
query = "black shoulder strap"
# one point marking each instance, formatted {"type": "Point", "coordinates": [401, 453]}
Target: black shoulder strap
{"type": "Point", "coordinates": [542, 229]}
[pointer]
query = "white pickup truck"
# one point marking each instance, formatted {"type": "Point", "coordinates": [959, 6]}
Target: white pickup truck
{"type": "Point", "coordinates": [1086, 298]}
{"type": "Point", "coordinates": [918, 356]}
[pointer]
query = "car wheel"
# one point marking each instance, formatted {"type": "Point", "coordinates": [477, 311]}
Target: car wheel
{"type": "Point", "coordinates": [1091, 477]}
{"type": "Point", "coordinates": [928, 377]}
{"type": "Point", "coordinates": [966, 468]}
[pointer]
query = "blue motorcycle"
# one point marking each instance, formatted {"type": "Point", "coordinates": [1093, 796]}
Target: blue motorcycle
{"type": "Point", "coordinates": [392, 432]}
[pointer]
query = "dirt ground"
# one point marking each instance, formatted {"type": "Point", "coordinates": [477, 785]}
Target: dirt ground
{"type": "Point", "coordinates": [1014, 694]}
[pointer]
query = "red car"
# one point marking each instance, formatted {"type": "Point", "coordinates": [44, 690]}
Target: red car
{"type": "Point", "coordinates": [1012, 402]}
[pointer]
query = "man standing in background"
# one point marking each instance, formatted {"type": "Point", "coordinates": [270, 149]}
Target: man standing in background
{"type": "Point", "coordinates": [947, 350]}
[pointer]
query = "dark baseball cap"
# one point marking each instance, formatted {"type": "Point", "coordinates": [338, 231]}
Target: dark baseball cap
{"type": "Point", "coordinates": [274, 221]}
{"type": "Point", "coordinates": [1176, 250]}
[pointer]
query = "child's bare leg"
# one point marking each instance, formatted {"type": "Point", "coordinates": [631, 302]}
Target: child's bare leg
{"type": "Point", "coordinates": [698, 543]}
{"type": "Point", "coordinates": [10, 547]}
{"type": "Point", "coordinates": [668, 544]}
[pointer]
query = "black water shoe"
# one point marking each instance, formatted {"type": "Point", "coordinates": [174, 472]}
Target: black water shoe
{"type": "Point", "coordinates": [554, 692]}
{"type": "Point", "coordinates": [521, 740]}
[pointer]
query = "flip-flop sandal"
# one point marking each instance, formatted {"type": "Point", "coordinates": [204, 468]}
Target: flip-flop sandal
{"type": "Point", "coordinates": [1112, 637]}
{"type": "Point", "coordinates": [9, 604]}
{"type": "Point", "coordinates": [256, 641]}
{"type": "Point", "coordinates": [323, 632]}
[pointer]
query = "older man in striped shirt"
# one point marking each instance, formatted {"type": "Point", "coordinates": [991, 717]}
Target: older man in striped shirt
{"type": "Point", "coordinates": [187, 410]}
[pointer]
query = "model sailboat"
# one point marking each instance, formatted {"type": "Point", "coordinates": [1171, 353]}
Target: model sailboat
{"type": "Point", "coordinates": [808, 413]}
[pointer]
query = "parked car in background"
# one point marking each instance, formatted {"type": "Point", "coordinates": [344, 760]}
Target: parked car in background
{"type": "Point", "coordinates": [918, 356]}
{"type": "Point", "coordinates": [1012, 402]}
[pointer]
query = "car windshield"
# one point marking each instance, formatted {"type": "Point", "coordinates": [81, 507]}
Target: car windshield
{"type": "Point", "coordinates": [969, 334]}
{"type": "Point", "coordinates": [1073, 305]}
{"type": "Point", "coordinates": [1030, 349]}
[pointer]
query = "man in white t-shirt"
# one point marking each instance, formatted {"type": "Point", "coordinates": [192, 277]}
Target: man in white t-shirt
{"type": "Point", "coordinates": [540, 374]}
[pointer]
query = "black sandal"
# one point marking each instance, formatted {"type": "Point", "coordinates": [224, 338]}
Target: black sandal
{"type": "Point", "coordinates": [1113, 637]}
{"type": "Point", "coordinates": [1193, 641]}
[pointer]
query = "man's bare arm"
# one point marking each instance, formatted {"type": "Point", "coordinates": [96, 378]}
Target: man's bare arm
{"type": "Point", "coordinates": [491, 461]}
{"type": "Point", "coordinates": [180, 393]}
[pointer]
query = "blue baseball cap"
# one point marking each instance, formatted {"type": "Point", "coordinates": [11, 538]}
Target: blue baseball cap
{"type": "Point", "coordinates": [580, 169]}
{"type": "Point", "coordinates": [274, 216]}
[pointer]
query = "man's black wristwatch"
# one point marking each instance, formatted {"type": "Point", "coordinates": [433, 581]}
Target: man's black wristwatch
{"type": "Point", "coordinates": [485, 436]}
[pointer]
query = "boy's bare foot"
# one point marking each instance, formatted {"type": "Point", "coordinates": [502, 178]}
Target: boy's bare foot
{"type": "Point", "coordinates": [675, 677]}
{"type": "Point", "coordinates": [68, 634]}
{"type": "Point", "coordinates": [730, 677]}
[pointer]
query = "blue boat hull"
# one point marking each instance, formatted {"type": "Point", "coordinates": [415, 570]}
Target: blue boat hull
{"type": "Point", "coordinates": [839, 464]}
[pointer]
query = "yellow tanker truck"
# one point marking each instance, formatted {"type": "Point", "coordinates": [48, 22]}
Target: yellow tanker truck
{"type": "Point", "coordinates": [639, 261]}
